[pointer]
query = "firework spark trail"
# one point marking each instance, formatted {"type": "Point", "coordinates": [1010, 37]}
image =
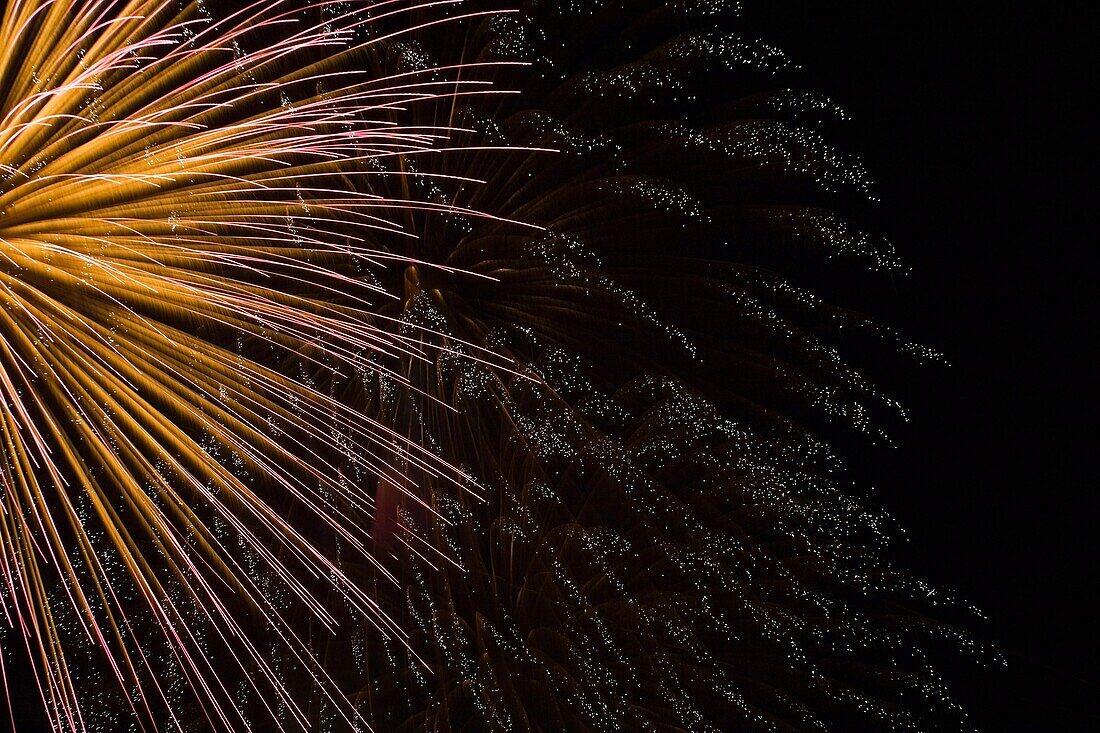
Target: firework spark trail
{"type": "Point", "coordinates": [161, 184]}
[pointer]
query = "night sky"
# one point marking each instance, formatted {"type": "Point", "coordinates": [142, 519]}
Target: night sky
{"type": "Point", "coordinates": [966, 115]}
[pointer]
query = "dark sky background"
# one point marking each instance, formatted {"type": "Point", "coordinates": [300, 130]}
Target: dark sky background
{"type": "Point", "coordinates": [970, 117]}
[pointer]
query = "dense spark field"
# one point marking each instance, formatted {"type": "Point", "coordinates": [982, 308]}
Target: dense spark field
{"type": "Point", "coordinates": [438, 366]}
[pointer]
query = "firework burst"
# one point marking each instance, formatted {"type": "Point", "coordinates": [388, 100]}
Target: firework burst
{"type": "Point", "coordinates": [671, 541]}
{"type": "Point", "coordinates": [184, 224]}
{"type": "Point", "coordinates": [340, 387]}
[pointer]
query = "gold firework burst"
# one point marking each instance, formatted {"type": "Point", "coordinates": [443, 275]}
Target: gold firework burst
{"type": "Point", "coordinates": [179, 195]}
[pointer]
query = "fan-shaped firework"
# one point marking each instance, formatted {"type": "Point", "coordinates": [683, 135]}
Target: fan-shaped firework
{"type": "Point", "coordinates": [171, 188]}
{"type": "Point", "coordinates": [342, 389]}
